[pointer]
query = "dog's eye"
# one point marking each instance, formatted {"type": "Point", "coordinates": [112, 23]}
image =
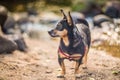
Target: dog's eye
{"type": "Point", "coordinates": [59, 27]}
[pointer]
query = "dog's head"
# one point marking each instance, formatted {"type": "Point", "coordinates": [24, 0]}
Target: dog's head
{"type": "Point", "coordinates": [63, 27]}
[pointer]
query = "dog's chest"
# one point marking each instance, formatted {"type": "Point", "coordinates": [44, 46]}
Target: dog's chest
{"type": "Point", "coordinates": [77, 47]}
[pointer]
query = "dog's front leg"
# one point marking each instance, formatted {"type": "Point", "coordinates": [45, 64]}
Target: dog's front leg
{"type": "Point", "coordinates": [62, 65]}
{"type": "Point", "coordinates": [77, 67]}
{"type": "Point", "coordinates": [78, 62]}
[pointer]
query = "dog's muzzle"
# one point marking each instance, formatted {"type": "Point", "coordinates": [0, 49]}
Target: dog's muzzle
{"type": "Point", "coordinates": [52, 33]}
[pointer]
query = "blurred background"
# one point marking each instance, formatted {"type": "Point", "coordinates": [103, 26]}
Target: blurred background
{"type": "Point", "coordinates": [24, 25]}
{"type": "Point", "coordinates": [34, 17]}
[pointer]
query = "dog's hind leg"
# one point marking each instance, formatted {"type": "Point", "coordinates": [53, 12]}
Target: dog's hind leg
{"type": "Point", "coordinates": [62, 65]}
{"type": "Point", "coordinates": [85, 58]}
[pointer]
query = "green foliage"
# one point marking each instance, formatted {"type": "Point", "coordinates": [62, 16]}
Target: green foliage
{"type": "Point", "coordinates": [16, 5]}
{"type": "Point", "coordinates": [78, 7]}
{"type": "Point", "coordinates": [22, 5]}
{"type": "Point", "coordinates": [59, 2]}
{"type": "Point", "coordinates": [112, 49]}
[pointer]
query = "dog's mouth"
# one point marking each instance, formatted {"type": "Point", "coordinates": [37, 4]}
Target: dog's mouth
{"type": "Point", "coordinates": [52, 34]}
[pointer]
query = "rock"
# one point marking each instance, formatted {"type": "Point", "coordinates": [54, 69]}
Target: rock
{"type": "Point", "coordinates": [48, 71]}
{"type": "Point", "coordinates": [18, 40]}
{"type": "Point", "coordinates": [3, 10]}
{"type": "Point", "coordinates": [7, 46]}
{"type": "Point", "coordinates": [3, 15]}
{"type": "Point", "coordinates": [90, 78]}
{"type": "Point", "coordinates": [9, 25]}
{"type": "Point", "coordinates": [21, 44]}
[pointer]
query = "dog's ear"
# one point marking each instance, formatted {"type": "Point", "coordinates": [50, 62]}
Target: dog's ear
{"type": "Point", "coordinates": [70, 21]}
{"type": "Point", "coordinates": [64, 16]}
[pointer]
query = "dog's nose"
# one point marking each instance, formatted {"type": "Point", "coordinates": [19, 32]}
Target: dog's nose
{"type": "Point", "coordinates": [49, 32]}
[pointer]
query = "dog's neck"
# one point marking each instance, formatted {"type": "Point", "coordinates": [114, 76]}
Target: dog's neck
{"type": "Point", "coordinates": [66, 44]}
{"type": "Point", "coordinates": [65, 40]}
{"type": "Point", "coordinates": [68, 39]}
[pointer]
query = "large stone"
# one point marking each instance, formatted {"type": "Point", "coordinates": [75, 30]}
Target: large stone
{"type": "Point", "coordinates": [3, 15]}
{"type": "Point", "coordinates": [7, 46]}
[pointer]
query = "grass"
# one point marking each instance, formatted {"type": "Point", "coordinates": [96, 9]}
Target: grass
{"type": "Point", "coordinates": [112, 49]}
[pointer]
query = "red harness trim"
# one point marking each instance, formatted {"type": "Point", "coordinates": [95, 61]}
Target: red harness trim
{"type": "Point", "coordinates": [67, 56]}
{"type": "Point", "coordinates": [60, 51]}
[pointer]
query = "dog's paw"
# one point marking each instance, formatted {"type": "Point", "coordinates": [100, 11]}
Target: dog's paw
{"type": "Point", "coordinates": [60, 76]}
{"type": "Point", "coordinates": [84, 67]}
{"type": "Point", "coordinates": [77, 75]}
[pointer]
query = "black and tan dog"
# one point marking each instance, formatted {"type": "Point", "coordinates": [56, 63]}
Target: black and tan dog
{"type": "Point", "coordinates": [74, 43]}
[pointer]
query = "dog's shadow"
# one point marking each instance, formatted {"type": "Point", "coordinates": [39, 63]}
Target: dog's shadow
{"type": "Point", "coordinates": [63, 78]}
{"type": "Point", "coordinates": [68, 79]}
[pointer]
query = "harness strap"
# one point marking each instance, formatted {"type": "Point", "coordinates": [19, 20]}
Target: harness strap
{"type": "Point", "coordinates": [67, 56]}
{"type": "Point", "coordinates": [61, 52]}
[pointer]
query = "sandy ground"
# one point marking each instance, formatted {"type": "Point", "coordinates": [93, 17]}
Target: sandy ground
{"type": "Point", "coordinates": [40, 63]}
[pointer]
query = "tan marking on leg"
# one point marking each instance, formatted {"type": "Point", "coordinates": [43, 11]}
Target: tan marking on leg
{"type": "Point", "coordinates": [77, 67]}
{"type": "Point", "coordinates": [85, 58]}
{"type": "Point", "coordinates": [62, 65]}
{"type": "Point", "coordinates": [63, 68]}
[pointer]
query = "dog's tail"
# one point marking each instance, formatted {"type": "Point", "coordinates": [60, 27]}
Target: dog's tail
{"type": "Point", "coordinates": [83, 21]}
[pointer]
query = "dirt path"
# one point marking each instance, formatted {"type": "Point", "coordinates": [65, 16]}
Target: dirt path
{"type": "Point", "coordinates": [40, 63]}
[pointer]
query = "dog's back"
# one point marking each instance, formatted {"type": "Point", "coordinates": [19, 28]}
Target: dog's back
{"type": "Point", "coordinates": [84, 31]}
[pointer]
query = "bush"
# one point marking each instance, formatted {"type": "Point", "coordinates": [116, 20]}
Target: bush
{"type": "Point", "coordinates": [78, 7]}
{"type": "Point", "coordinates": [59, 2]}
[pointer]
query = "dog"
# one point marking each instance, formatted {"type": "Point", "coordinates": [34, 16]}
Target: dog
{"type": "Point", "coordinates": [74, 43]}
